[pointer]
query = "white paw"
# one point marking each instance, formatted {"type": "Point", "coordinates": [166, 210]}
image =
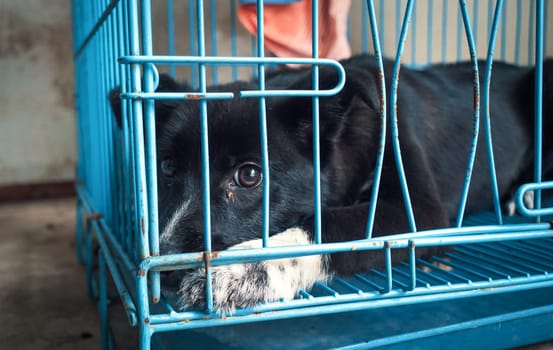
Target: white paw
{"type": "Point", "coordinates": [246, 285]}
{"type": "Point", "coordinates": [527, 198]}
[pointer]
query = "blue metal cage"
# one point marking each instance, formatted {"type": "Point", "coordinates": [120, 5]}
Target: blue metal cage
{"type": "Point", "coordinates": [494, 290]}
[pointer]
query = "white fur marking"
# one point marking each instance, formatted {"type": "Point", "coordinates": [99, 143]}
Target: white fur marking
{"type": "Point", "coordinates": [307, 270]}
{"type": "Point", "coordinates": [528, 199]}
{"type": "Point", "coordinates": [182, 211]}
{"type": "Point", "coordinates": [511, 208]}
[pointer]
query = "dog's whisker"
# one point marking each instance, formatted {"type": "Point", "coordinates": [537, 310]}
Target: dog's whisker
{"type": "Point", "coordinates": [172, 224]}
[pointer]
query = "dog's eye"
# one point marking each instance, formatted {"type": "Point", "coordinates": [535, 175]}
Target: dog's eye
{"type": "Point", "coordinates": [248, 175]}
{"type": "Point", "coordinates": [168, 167]}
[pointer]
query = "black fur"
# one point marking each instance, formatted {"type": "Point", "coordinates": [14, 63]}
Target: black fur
{"type": "Point", "coordinates": [435, 129]}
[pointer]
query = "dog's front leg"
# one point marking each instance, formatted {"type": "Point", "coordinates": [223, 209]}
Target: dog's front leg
{"type": "Point", "coordinates": [246, 285]}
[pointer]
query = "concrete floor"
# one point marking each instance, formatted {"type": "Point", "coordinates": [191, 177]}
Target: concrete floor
{"type": "Point", "coordinates": [42, 288]}
{"type": "Point", "coordinates": [43, 298]}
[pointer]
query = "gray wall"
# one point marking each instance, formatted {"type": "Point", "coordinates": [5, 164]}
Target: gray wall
{"type": "Point", "coordinates": [37, 136]}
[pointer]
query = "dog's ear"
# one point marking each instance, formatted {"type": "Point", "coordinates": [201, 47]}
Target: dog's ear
{"type": "Point", "coordinates": [350, 117]}
{"type": "Point", "coordinates": [162, 107]}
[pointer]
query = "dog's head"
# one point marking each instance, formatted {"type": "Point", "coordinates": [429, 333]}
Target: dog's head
{"type": "Point", "coordinates": [349, 125]}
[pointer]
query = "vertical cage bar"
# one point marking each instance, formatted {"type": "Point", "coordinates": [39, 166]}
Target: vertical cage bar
{"type": "Point", "coordinates": [412, 265]}
{"type": "Point", "coordinates": [119, 211]}
{"type": "Point", "coordinates": [128, 118]}
{"type": "Point", "coordinates": [127, 154]}
{"type": "Point", "coordinates": [538, 99]}
{"type": "Point", "coordinates": [133, 114]}
{"type": "Point", "coordinates": [486, 108]}
{"type": "Point", "coordinates": [316, 136]}
{"type": "Point", "coordinates": [476, 115]}
{"type": "Point", "coordinates": [144, 331]}
{"type": "Point", "coordinates": [388, 262]}
{"type": "Point", "coordinates": [383, 119]}
{"type": "Point", "coordinates": [124, 167]}
{"type": "Point", "coordinates": [394, 118]}
{"type": "Point", "coordinates": [101, 39]}
{"type": "Point", "coordinates": [113, 156]}
{"type": "Point", "coordinates": [120, 166]}
{"type": "Point", "coordinates": [263, 122]}
{"type": "Point", "coordinates": [206, 196]}
{"type": "Point", "coordinates": [150, 75]}
{"type": "Point", "coordinates": [142, 242]}
{"type": "Point", "coordinates": [98, 181]}
{"type": "Point", "coordinates": [138, 138]}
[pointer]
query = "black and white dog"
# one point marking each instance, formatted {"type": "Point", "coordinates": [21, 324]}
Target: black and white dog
{"type": "Point", "coordinates": [435, 116]}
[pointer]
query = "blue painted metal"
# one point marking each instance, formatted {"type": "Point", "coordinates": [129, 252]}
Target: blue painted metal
{"type": "Point", "coordinates": [394, 116]}
{"type": "Point", "coordinates": [479, 333]}
{"type": "Point", "coordinates": [188, 60]}
{"type": "Point", "coordinates": [537, 211]}
{"type": "Point", "coordinates": [151, 225]}
{"type": "Point", "coordinates": [383, 119]}
{"type": "Point", "coordinates": [538, 103]}
{"type": "Point", "coordinates": [495, 257]}
{"type": "Point", "coordinates": [486, 108]}
{"type": "Point", "coordinates": [476, 122]}
{"type": "Point", "coordinates": [206, 196]}
{"type": "Point", "coordinates": [316, 126]}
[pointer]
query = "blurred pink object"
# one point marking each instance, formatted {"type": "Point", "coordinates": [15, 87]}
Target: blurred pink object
{"type": "Point", "coordinates": [287, 28]}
